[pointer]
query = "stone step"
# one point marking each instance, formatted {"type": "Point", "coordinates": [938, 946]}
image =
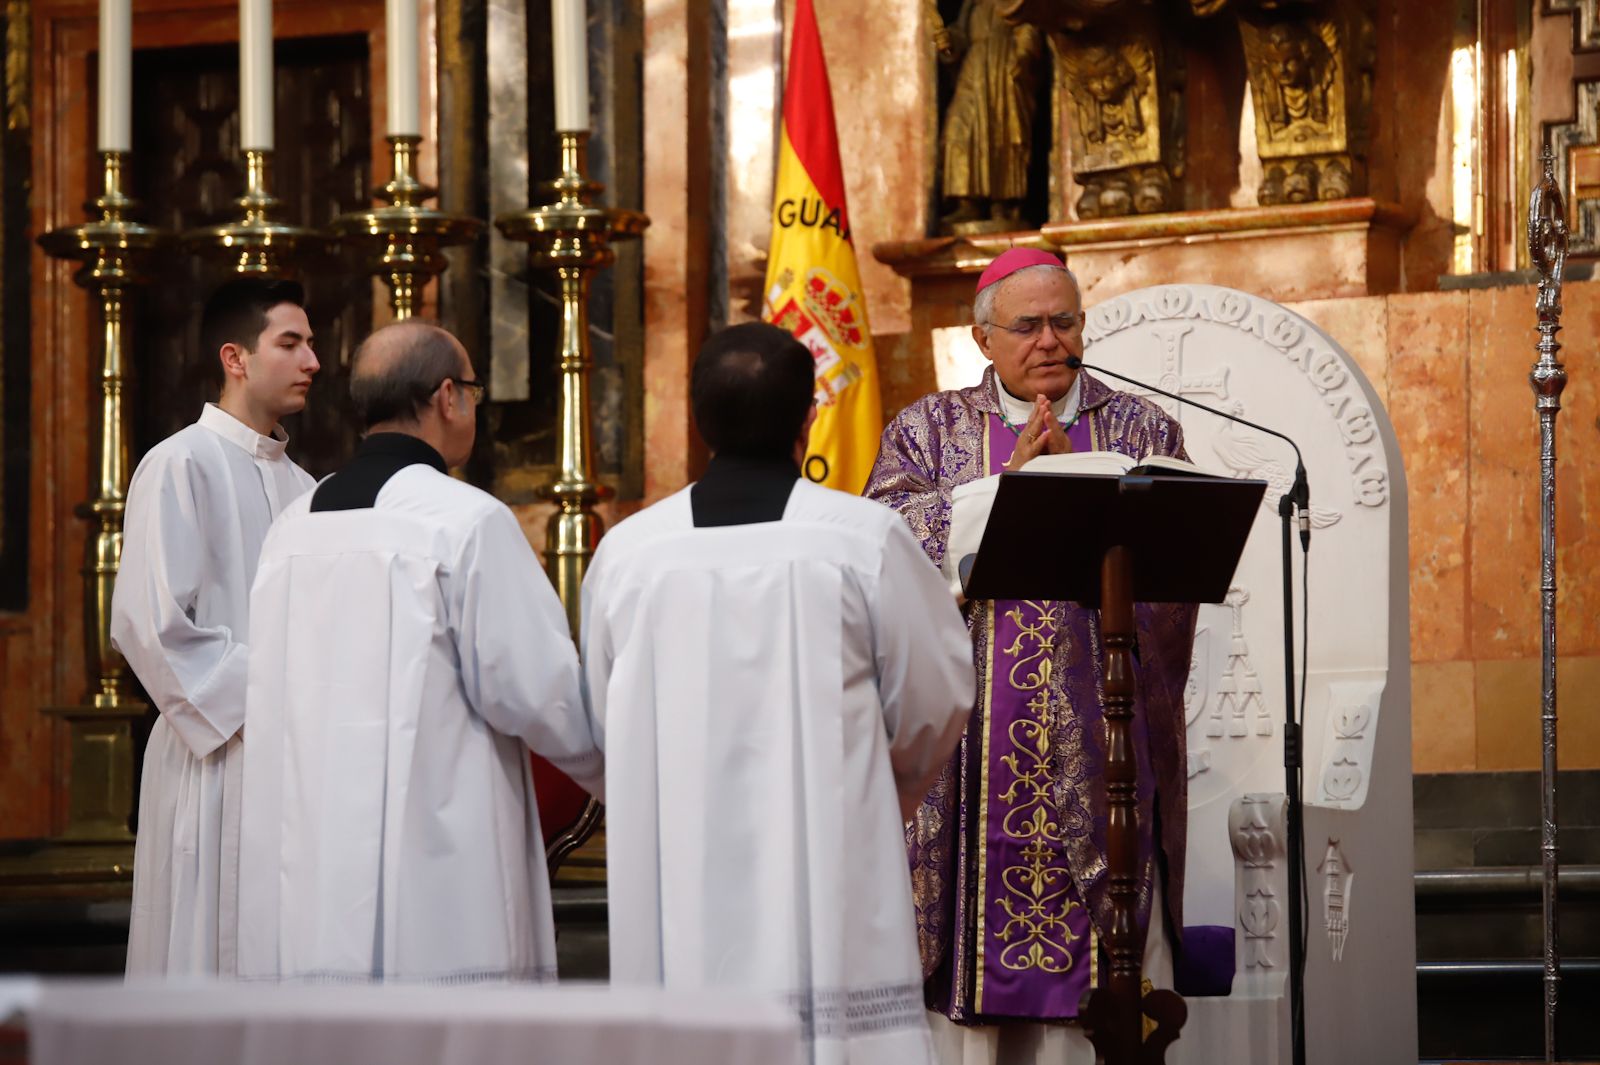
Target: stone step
{"type": "Point", "coordinates": [1473, 914]}
{"type": "Point", "coordinates": [1494, 1010]}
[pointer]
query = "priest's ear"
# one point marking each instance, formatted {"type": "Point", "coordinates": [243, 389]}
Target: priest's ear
{"type": "Point", "coordinates": [232, 357]}
{"type": "Point", "coordinates": [803, 443]}
{"type": "Point", "coordinates": [980, 337]}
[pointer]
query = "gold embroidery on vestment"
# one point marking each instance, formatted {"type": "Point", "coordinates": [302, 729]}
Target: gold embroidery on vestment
{"type": "Point", "coordinates": [987, 622]}
{"type": "Point", "coordinates": [1036, 896]}
{"type": "Point", "coordinates": [983, 809]}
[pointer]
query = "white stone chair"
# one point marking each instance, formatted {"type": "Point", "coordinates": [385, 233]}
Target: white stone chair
{"type": "Point", "coordinates": [1253, 357]}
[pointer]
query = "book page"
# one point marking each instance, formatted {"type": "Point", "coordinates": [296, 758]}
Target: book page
{"type": "Point", "coordinates": [1115, 464]}
{"type": "Point", "coordinates": [970, 504]}
{"type": "Point", "coordinates": [1165, 465]}
{"type": "Point", "coordinates": [1104, 462]}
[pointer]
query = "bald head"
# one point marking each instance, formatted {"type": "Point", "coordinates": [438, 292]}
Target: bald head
{"type": "Point", "coordinates": [399, 367]}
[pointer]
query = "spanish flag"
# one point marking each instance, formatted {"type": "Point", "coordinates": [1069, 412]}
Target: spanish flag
{"type": "Point", "coordinates": [813, 287]}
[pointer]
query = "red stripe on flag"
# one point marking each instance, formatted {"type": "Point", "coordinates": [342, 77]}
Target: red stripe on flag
{"type": "Point", "coordinates": [808, 112]}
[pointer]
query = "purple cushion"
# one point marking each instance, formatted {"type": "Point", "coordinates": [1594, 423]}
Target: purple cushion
{"type": "Point", "coordinates": [1205, 962]}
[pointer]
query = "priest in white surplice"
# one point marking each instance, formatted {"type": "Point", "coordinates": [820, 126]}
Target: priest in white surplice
{"type": "Point", "coordinates": [775, 671]}
{"type": "Point", "coordinates": [408, 651]}
{"type": "Point", "coordinates": [198, 509]}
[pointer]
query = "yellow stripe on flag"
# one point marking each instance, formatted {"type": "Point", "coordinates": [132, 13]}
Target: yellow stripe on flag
{"type": "Point", "coordinates": [813, 287]}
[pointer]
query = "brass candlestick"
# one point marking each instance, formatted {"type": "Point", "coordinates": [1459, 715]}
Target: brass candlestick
{"type": "Point", "coordinates": [114, 251]}
{"type": "Point", "coordinates": [402, 241]}
{"type": "Point", "coordinates": [255, 244]}
{"type": "Point", "coordinates": [573, 236]}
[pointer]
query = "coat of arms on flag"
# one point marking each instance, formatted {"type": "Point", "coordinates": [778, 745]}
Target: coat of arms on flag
{"type": "Point", "coordinates": [823, 318]}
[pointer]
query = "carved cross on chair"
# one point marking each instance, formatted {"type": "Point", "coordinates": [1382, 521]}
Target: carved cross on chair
{"type": "Point", "coordinates": [1170, 376]}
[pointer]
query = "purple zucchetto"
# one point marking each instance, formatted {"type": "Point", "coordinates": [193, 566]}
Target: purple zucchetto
{"type": "Point", "coordinates": [1011, 260]}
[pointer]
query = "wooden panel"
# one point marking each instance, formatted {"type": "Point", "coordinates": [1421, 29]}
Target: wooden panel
{"type": "Point", "coordinates": [15, 260]}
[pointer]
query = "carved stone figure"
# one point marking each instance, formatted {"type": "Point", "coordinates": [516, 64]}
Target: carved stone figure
{"type": "Point", "coordinates": [1311, 79]}
{"type": "Point", "coordinates": [1110, 94]}
{"type": "Point", "coordinates": [987, 140]}
{"type": "Point", "coordinates": [1300, 71]}
{"type": "Point", "coordinates": [1125, 148]}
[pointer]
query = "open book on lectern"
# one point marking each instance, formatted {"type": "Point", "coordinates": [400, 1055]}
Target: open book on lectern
{"type": "Point", "coordinates": [971, 502]}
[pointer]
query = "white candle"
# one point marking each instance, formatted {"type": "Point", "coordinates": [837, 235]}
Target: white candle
{"type": "Point", "coordinates": [116, 75]}
{"type": "Point", "coordinates": [569, 33]}
{"type": "Point", "coordinates": [255, 74]}
{"type": "Point", "coordinates": [401, 21]}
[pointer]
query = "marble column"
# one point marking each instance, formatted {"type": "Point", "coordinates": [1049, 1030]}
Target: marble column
{"type": "Point", "coordinates": [677, 199]}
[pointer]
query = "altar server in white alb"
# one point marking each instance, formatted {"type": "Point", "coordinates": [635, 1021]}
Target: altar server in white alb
{"type": "Point", "coordinates": [198, 509]}
{"type": "Point", "coordinates": [408, 653]}
{"type": "Point", "coordinates": [775, 672]}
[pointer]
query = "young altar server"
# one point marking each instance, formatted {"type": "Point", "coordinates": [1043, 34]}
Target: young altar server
{"type": "Point", "coordinates": [198, 509]}
{"type": "Point", "coordinates": [408, 652]}
{"type": "Point", "coordinates": [775, 671]}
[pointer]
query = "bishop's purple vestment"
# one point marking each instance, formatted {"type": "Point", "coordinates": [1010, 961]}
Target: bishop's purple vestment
{"type": "Point", "coordinates": [1008, 849]}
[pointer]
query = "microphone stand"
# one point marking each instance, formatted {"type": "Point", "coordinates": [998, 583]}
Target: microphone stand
{"type": "Point", "coordinates": [1294, 503]}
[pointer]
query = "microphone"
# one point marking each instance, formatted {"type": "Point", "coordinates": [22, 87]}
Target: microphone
{"type": "Point", "coordinates": [1298, 496]}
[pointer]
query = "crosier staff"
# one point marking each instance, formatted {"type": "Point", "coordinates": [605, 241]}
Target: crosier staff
{"type": "Point", "coordinates": [1547, 247]}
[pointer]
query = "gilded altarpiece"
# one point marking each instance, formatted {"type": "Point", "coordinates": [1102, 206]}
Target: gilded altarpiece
{"type": "Point", "coordinates": [1122, 65]}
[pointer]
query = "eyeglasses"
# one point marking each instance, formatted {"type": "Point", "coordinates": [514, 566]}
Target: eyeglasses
{"type": "Point", "coordinates": [479, 389]}
{"type": "Point", "coordinates": [1064, 326]}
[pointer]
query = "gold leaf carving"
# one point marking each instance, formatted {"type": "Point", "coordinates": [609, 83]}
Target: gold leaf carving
{"type": "Point", "coordinates": [1298, 82]}
{"type": "Point", "coordinates": [19, 50]}
{"type": "Point", "coordinates": [1115, 105]}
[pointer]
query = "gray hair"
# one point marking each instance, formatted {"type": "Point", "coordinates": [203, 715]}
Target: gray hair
{"type": "Point", "coordinates": [398, 367]}
{"type": "Point", "coordinates": [983, 303]}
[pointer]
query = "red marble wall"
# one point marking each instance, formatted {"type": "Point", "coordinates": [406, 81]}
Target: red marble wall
{"type": "Point", "coordinates": [1454, 369]}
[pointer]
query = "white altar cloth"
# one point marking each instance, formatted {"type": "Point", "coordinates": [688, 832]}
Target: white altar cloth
{"type": "Point", "coordinates": [82, 1022]}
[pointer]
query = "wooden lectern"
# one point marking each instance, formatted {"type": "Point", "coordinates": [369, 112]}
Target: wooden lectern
{"type": "Point", "coordinates": [1136, 538]}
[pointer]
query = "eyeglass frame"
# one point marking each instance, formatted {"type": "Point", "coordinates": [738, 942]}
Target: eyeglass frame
{"type": "Point", "coordinates": [480, 388]}
{"type": "Point", "coordinates": [1036, 326]}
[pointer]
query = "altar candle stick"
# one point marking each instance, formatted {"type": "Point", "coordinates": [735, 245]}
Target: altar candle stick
{"type": "Point", "coordinates": [255, 74]}
{"type": "Point", "coordinates": [403, 48]}
{"type": "Point", "coordinates": [116, 75]}
{"type": "Point", "coordinates": [569, 33]}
